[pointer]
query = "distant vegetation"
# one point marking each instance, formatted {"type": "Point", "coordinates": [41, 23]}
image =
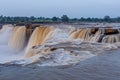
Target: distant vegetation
{"type": "Point", "coordinates": [64, 18]}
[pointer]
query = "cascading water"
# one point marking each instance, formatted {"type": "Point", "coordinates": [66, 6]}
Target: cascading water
{"type": "Point", "coordinates": [101, 35]}
{"type": "Point", "coordinates": [17, 41]}
{"type": "Point", "coordinates": [54, 45]}
{"type": "Point", "coordinates": [57, 35]}
{"type": "Point", "coordinates": [111, 39]}
{"type": "Point", "coordinates": [83, 34]}
{"type": "Point", "coordinates": [96, 37]}
{"type": "Point", "coordinates": [6, 53]}
{"type": "Point", "coordinates": [37, 38]}
{"type": "Point", "coordinates": [5, 34]}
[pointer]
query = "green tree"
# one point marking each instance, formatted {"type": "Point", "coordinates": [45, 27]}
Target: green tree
{"type": "Point", "coordinates": [89, 19]}
{"type": "Point", "coordinates": [107, 18]}
{"type": "Point", "coordinates": [65, 18]}
{"type": "Point", "coordinates": [32, 18]}
{"type": "Point", "coordinates": [54, 19]}
{"type": "Point", "coordinates": [117, 19]}
{"type": "Point", "coordinates": [82, 19]}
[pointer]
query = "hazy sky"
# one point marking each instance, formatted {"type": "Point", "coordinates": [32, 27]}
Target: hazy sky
{"type": "Point", "coordinates": [50, 8]}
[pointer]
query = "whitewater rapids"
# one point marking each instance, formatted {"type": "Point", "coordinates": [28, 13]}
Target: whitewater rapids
{"type": "Point", "coordinates": [49, 47]}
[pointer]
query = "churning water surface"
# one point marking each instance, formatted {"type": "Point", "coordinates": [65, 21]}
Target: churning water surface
{"type": "Point", "coordinates": [105, 66]}
{"type": "Point", "coordinates": [102, 67]}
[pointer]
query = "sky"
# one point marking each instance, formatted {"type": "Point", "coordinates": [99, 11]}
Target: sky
{"type": "Point", "coordinates": [50, 8]}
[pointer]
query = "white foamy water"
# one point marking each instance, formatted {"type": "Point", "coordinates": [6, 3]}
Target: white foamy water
{"type": "Point", "coordinates": [8, 55]}
{"type": "Point", "coordinates": [5, 34]}
{"type": "Point", "coordinates": [61, 57]}
{"type": "Point", "coordinates": [58, 36]}
{"type": "Point", "coordinates": [59, 49]}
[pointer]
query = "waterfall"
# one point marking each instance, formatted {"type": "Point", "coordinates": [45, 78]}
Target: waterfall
{"type": "Point", "coordinates": [38, 37]}
{"type": "Point", "coordinates": [111, 39]}
{"type": "Point", "coordinates": [5, 34]}
{"type": "Point", "coordinates": [39, 41]}
{"type": "Point", "coordinates": [81, 34]}
{"type": "Point", "coordinates": [96, 37]}
{"type": "Point", "coordinates": [18, 38]}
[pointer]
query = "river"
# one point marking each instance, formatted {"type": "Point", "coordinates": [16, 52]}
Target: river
{"type": "Point", "coordinates": [102, 67]}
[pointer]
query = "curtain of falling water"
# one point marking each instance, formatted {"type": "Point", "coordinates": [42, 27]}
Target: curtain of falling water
{"type": "Point", "coordinates": [100, 36]}
{"type": "Point", "coordinates": [37, 38]}
{"type": "Point", "coordinates": [5, 34]}
{"type": "Point", "coordinates": [96, 37]}
{"type": "Point", "coordinates": [82, 34]}
{"type": "Point", "coordinates": [17, 40]}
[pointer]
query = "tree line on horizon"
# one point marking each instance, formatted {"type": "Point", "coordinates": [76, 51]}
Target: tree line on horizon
{"type": "Point", "coordinates": [64, 18]}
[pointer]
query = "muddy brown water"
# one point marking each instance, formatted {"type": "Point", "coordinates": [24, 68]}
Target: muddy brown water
{"type": "Point", "coordinates": [101, 67]}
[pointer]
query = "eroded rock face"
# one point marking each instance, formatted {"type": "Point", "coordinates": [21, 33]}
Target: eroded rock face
{"type": "Point", "coordinates": [111, 31]}
{"type": "Point", "coordinates": [29, 31]}
{"type": "Point", "coordinates": [94, 30]}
